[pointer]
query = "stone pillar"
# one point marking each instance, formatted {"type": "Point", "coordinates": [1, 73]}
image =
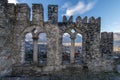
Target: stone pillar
{"type": "Point", "coordinates": [35, 50]}
{"type": "Point", "coordinates": [72, 50]}
{"type": "Point", "coordinates": [22, 51]}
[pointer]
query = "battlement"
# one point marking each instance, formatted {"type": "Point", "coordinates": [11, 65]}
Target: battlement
{"type": "Point", "coordinates": [106, 35]}
{"type": "Point", "coordinates": [11, 10]}
{"type": "Point", "coordinates": [53, 13]}
{"type": "Point", "coordinates": [22, 8]}
{"type": "Point", "coordinates": [90, 20]}
{"type": "Point", "coordinates": [37, 14]}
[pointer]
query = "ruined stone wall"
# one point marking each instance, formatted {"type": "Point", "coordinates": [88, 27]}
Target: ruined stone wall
{"type": "Point", "coordinates": [50, 28]}
{"type": "Point", "coordinates": [106, 43]}
{"type": "Point", "coordinates": [15, 23]}
{"type": "Point", "coordinates": [91, 35]}
{"type": "Point", "coordinates": [6, 44]}
{"type": "Point", "coordinates": [90, 31]}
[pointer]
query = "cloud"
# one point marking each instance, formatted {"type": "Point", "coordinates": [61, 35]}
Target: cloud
{"type": "Point", "coordinates": [13, 1]}
{"type": "Point", "coordinates": [42, 37]}
{"type": "Point", "coordinates": [66, 5]}
{"type": "Point", "coordinates": [79, 8]}
{"type": "Point", "coordinates": [28, 37]}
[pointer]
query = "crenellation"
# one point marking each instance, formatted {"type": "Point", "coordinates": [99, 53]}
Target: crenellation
{"type": "Point", "coordinates": [37, 14]}
{"type": "Point", "coordinates": [92, 20]}
{"type": "Point", "coordinates": [70, 19]}
{"type": "Point", "coordinates": [11, 10]}
{"type": "Point", "coordinates": [22, 8]}
{"type": "Point", "coordinates": [22, 13]}
{"type": "Point", "coordinates": [64, 19]}
{"type": "Point", "coordinates": [85, 19]}
{"type": "Point", "coordinates": [103, 35]}
{"type": "Point", "coordinates": [53, 14]}
{"type": "Point", "coordinates": [98, 20]}
{"type": "Point", "coordinates": [78, 20]}
{"type": "Point", "coordinates": [110, 35]}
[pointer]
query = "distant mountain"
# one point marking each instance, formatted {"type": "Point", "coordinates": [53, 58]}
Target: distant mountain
{"type": "Point", "coordinates": [66, 39]}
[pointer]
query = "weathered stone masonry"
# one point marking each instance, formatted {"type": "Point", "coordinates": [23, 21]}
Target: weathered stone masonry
{"type": "Point", "coordinates": [106, 43]}
{"type": "Point", "coordinates": [15, 23]}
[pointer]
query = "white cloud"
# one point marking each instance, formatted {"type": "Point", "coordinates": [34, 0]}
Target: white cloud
{"type": "Point", "coordinates": [66, 5]}
{"type": "Point", "coordinates": [13, 1]}
{"type": "Point", "coordinates": [28, 37]}
{"type": "Point", "coordinates": [79, 8]}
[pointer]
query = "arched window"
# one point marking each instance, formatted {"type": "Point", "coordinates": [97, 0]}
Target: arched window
{"type": "Point", "coordinates": [42, 48]}
{"type": "Point", "coordinates": [28, 48]}
{"type": "Point", "coordinates": [66, 46]}
{"type": "Point", "coordinates": [78, 48]}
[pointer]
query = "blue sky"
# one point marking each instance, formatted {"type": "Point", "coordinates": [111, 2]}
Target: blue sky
{"type": "Point", "coordinates": [108, 10]}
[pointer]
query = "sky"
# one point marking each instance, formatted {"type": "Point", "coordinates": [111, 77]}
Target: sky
{"type": "Point", "coordinates": [108, 10]}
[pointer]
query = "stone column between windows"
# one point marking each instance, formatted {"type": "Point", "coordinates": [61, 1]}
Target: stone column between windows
{"type": "Point", "coordinates": [72, 50]}
{"type": "Point", "coordinates": [35, 50]}
{"type": "Point", "coordinates": [22, 51]}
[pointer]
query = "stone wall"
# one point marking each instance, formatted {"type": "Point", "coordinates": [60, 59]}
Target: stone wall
{"type": "Point", "coordinates": [106, 43]}
{"type": "Point", "coordinates": [6, 44]}
{"type": "Point", "coordinates": [15, 23]}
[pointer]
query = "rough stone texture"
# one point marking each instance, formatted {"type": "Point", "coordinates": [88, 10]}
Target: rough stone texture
{"type": "Point", "coordinates": [53, 13]}
{"type": "Point", "coordinates": [106, 44]}
{"type": "Point", "coordinates": [6, 55]}
{"type": "Point", "coordinates": [15, 23]}
{"type": "Point", "coordinates": [37, 15]}
{"type": "Point", "coordinates": [101, 64]}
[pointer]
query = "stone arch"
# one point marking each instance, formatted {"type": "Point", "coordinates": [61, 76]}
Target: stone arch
{"type": "Point", "coordinates": [73, 31]}
{"type": "Point", "coordinates": [22, 41]}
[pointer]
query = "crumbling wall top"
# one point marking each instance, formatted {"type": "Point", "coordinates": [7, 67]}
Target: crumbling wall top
{"type": "Point", "coordinates": [22, 8]}
{"type": "Point", "coordinates": [53, 14]}
{"type": "Point", "coordinates": [105, 35]}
